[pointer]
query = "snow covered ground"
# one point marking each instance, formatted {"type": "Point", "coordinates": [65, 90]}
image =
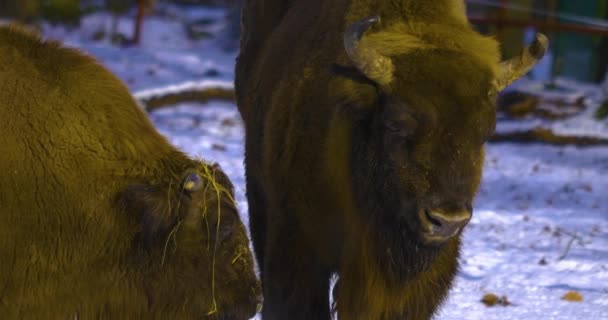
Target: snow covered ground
{"type": "Point", "coordinates": [540, 227]}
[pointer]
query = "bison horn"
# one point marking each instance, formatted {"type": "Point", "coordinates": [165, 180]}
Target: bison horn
{"type": "Point", "coordinates": [516, 67]}
{"type": "Point", "coordinates": [368, 60]}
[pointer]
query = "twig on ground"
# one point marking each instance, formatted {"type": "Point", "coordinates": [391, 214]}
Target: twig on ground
{"type": "Point", "coordinates": [574, 236]}
{"type": "Point", "coordinates": [541, 135]}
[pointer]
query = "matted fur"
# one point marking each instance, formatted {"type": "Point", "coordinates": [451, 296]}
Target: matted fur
{"type": "Point", "coordinates": [402, 38]}
{"type": "Point", "coordinates": [99, 215]}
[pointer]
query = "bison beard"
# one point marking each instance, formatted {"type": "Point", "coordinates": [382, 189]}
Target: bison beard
{"type": "Point", "coordinates": [364, 149]}
{"type": "Point", "coordinates": [100, 217]}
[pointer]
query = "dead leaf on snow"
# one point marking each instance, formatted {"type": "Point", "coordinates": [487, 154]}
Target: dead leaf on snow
{"type": "Point", "coordinates": [572, 296]}
{"type": "Point", "coordinates": [228, 122]}
{"type": "Point", "coordinates": [491, 300]}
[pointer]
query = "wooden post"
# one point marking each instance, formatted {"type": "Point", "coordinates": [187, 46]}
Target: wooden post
{"type": "Point", "coordinates": [512, 38]}
{"type": "Point", "coordinates": [502, 14]}
{"type": "Point", "coordinates": [139, 18]}
{"type": "Point", "coordinates": [602, 74]}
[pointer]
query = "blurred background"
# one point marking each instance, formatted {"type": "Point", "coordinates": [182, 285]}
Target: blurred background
{"type": "Point", "coordinates": [578, 29]}
{"type": "Point", "coordinates": [578, 32]}
{"type": "Point", "coordinates": [70, 12]}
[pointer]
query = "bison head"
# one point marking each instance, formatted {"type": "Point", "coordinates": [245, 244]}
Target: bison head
{"type": "Point", "coordinates": [194, 244]}
{"type": "Point", "coordinates": [422, 97]}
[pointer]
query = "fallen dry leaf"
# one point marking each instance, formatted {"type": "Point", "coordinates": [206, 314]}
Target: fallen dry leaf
{"type": "Point", "coordinates": [491, 300]}
{"type": "Point", "coordinates": [572, 296]}
{"type": "Point", "coordinates": [228, 122]}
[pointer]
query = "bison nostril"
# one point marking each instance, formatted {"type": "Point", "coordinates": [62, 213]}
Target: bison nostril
{"type": "Point", "coordinates": [439, 225]}
{"type": "Point", "coordinates": [431, 219]}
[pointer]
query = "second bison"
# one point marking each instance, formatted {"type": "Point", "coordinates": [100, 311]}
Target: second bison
{"type": "Point", "coordinates": [100, 217]}
{"type": "Point", "coordinates": [364, 149]}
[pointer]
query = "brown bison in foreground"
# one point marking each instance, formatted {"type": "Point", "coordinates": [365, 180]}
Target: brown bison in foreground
{"type": "Point", "coordinates": [100, 217]}
{"type": "Point", "coordinates": [364, 149]}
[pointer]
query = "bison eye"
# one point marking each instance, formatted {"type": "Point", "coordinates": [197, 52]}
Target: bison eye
{"type": "Point", "coordinates": [398, 130]}
{"type": "Point", "coordinates": [192, 182]}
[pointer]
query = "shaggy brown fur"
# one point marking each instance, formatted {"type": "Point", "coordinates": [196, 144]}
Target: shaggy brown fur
{"type": "Point", "coordinates": [340, 166]}
{"type": "Point", "coordinates": [100, 217]}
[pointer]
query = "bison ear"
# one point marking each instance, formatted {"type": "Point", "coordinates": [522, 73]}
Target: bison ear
{"type": "Point", "coordinates": [154, 208]}
{"type": "Point", "coordinates": [356, 96]}
{"type": "Point", "coordinates": [351, 73]}
{"type": "Point", "coordinates": [222, 178]}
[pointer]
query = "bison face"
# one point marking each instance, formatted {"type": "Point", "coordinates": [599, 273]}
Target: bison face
{"type": "Point", "coordinates": [212, 207]}
{"type": "Point", "coordinates": [194, 244]}
{"type": "Point", "coordinates": [418, 154]}
{"type": "Point", "coordinates": [424, 107]}
{"type": "Point", "coordinates": [431, 155]}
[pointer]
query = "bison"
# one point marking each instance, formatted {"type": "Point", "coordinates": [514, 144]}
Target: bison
{"type": "Point", "coordinates": [100, 217]}
{"type": "Point", "coordinates": [365, 125]}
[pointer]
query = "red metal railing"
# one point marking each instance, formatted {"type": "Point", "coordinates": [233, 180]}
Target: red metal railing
{"type": "Point", "coordinates": [579, 24]}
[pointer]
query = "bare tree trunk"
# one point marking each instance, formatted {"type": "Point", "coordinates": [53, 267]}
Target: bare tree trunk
{"type": "Point", "coordinates": [139, 18]}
